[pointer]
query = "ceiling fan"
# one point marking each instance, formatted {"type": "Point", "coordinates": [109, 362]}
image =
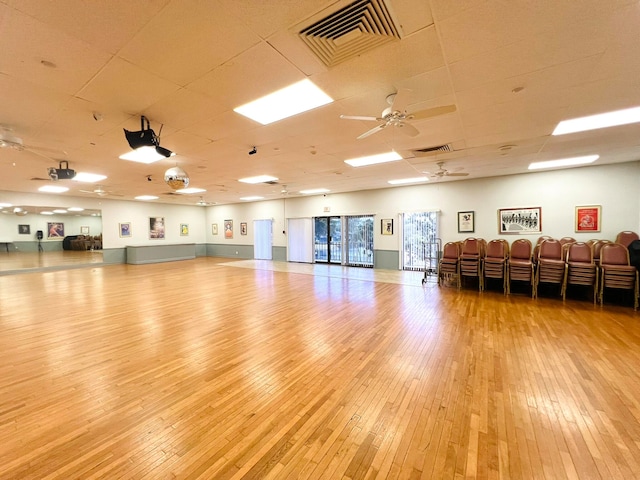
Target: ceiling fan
{"type": "Point", "coordinates": [101, 192]}
{"type": "Point", "coordinates": [203, 203]}
{"type": "Point", "coordinates": [443, 172]}
{"type": "Point", "coordinates": [396, 115]}
{"type": "Point", "coordinates": [12, 142]}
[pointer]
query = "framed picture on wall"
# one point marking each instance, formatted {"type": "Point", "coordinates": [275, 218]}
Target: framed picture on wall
{"type": "Point", "coordinates": [466, 222]}
{"type": "Point", "coordinates": [24, 229]}
{"type": "Point", "coordinates": [214, 228]}
{"type": "Point", "coordinates": [588, 218]}
{"type": "Point", "coordinates": [55, 230]}
{"type": "Point", "coordinates": [386, 226]}
{"type": "Point", "coordinates": [184, 229]}
{"type": "Point", "coordinates": [520, 220]}
{"type": "Point", "coordinates": [228, 229]}
{"type": "Point", "coordinates": [243, 228]}
{"type": "Point", "coordinates": [124, 229]}
{"type": "Point", "coordinates": [156, 228]}
{"type": "Point", "coordinates": [84, 230]}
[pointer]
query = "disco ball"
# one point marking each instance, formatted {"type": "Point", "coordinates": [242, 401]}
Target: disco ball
{"type": "Point", "coordinates": [176, 178]}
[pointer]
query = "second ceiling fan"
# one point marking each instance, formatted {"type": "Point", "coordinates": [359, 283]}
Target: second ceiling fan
{"type": "Point", "coordinates": [396, 115]}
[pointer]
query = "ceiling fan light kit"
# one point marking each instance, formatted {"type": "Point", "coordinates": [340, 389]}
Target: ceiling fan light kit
{"type": "Point", "coordinates": [396, 115]}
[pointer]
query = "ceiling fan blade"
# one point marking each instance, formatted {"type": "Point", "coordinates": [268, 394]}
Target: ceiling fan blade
{"type": "Point", "coordinates": [433, 112]}
{"type": "Point", "coordinates": [408, 129]}
{"type": "Point", "coordinates": [358, 117]}
{"type": "Point", "coordinates": [401, 100]}
{"type": "Point", "coordinates": [372, 131]}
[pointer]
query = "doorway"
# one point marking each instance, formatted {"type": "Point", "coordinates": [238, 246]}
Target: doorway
{"type": "Point", "coordinates": [328, 239]}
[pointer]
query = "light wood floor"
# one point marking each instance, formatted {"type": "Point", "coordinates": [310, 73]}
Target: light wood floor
{"type": "Point", "coordinates": [216, 369]}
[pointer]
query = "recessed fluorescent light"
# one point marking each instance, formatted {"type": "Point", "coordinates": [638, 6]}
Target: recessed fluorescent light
{"type": "Point", "coordinates": [314, 191]}
{"type": "Point", "coordinates": [143, 155]}
{"type": "Point", "coordinates": [191, 190]}
{"type": "Point", "coordinates": [250, 199]}
{"type": "Point", "coordinates": [46, 213]}
{"type": "Point", "coordinates": [88, 177]}
{"type": "Point", "coordinates": [289, 101]}
{"type": "Point", "coordinates": [403, 181]}
{"type": "Point", "coordinates": [564, 162]}
{"type": "Point", "coordinates": [146, 197]}
{"type": "Point", "coordinates": [373, 159]}
{"type": "Point", "coordinates": [259, 179]}
{"type": "Point", "coordinates": [59, 210]}
{"type": "Point", "coordinates": [5, 205]}
{"type": "Point", "coordinates": [75, 209]}
{"type": "Point", "coordinates": [601, 120]}
{"type": "Point", "coordinates": [52, 189]}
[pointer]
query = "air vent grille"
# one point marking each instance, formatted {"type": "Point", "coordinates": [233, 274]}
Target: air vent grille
{"type": "Point", "coordinates": [351, 31]}
{"type": "Point", "coordinates": [433, 150]}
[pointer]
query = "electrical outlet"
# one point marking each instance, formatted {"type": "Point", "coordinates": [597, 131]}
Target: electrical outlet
{"type": "Point", "coordinates": [236, 252]}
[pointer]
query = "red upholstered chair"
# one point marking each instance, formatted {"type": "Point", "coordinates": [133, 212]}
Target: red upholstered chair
{"type": "Point", "coordinates": [471, 259]}
{"type": "Point", "coordinates": [567, 240]}
{"type": "Point", "coordinates": [626, 237]}
{"type": "Point", "coordinates": [616, 272]}
{"type": "Point", "coordinates": [597, 246]}
{"type": "Point", "coordinates": [550, 264]}
{"type": "Point", "coordinates": [449, 264]}
{"type": "Point", "coordinates": [495, 261]}
{"type": "Point", "coordinates": [519, 264]}
{"type": "Point", "coordinates": [580, 268]}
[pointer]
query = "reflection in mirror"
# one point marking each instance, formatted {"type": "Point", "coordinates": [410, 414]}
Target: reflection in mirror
{"type": "Point", "coordinates": [36, 238]}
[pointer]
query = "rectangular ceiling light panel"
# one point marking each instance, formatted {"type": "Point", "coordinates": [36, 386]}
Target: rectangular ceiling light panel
{"type": "Point", "coordinates": [289, 101]}
{"type": "Point", "coordinates": [374, 159]}
{"type": "Point", "coordinates": [601, 120]}
{"type": "Point", "coordinates": [564, 162]}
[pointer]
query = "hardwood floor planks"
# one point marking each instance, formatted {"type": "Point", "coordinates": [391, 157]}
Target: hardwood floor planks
{"type": "Point", "coordinates": [201, 369]}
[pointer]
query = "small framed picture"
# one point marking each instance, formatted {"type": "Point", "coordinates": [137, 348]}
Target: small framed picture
{"type": "Point", "coordinates": [386, 226]}
{"type": "Point", "coordinates": [466, 222]}
{"type": "Point", "coordinates": [214, 229]}
{"type": "Point", "coordinates": [588, 218]}
{"type": "Point", "coordinates": [24, 229]}
{"type": "Point", "coordinates": [184, 229]}
{"type": "Point", "coordinates": [228, 229]}
{"type": "Point", "coordinates": [243, 228]}
{"type": "Point", "coordinates": [125, 229]}
{"type": "Point", "coordinates": [84, 230]}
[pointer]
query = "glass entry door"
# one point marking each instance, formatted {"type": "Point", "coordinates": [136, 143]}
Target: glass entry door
{"type": "Point", "coordinates": [328, 239]}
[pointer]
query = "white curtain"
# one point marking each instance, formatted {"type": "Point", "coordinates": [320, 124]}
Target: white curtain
{"type": "Point", "coordinates": [263, 240]}
{"type": "Point", "coordinates": [300, 240]}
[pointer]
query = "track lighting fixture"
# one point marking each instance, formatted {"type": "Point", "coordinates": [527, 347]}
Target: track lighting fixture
{"type": "Point", "coordinates": [145, 144]}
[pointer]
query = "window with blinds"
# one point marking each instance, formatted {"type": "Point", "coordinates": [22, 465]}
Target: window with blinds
{"type": "Point", "coordinates": [420, 242]}
{"type": "Point", "coordinates": [359, 241]}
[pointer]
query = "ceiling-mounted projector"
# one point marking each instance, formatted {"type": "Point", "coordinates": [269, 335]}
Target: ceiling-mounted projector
{"type": "Point", "coordinates": [61, 173]}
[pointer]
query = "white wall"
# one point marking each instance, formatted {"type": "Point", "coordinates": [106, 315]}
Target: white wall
{"type": "Point", "coordinates": [615, 187]}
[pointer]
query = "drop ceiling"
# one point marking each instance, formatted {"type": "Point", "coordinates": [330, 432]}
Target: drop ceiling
{"type": "Point", "coordinates": [73, 74]}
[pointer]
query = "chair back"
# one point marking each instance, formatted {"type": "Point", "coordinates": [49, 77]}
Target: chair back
{"type": "Point", "coordinates": [497, 249]}
{"type": "Point", "coordinates": [580, 252]}
{"type": "Point", "coordinates": [550, 249]}
{"type": "Point", "coordinates": [472, 247]}
{"type": "Point", "coordinates": [597, 246]}
{"type": "Point", "coordinates": [566, 240]}
{"type": "Point", "coordinates": [625, 238]}
{"type": "Point", "coordinates": [521, 249]}
{"type": "Point", "coordinates": [542, 239]}
{"type": "Point", "coordinates": [451, 250]}
{"type": "Point", "coordinates": [614, 254]}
